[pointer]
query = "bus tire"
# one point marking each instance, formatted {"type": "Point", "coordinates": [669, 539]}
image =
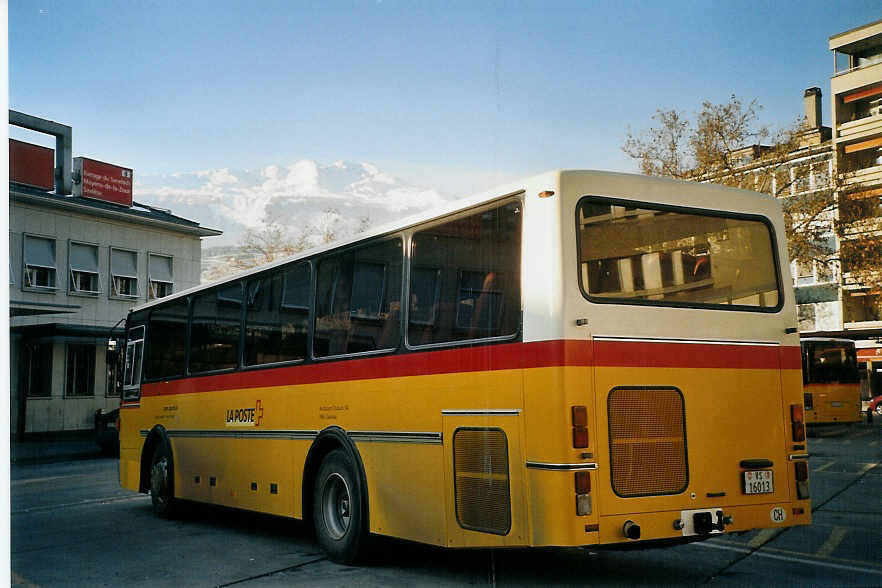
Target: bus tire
{"type": "Point", "coordinates": [338, 515]}
{"type": "Point", "coordinates": [162, 482]}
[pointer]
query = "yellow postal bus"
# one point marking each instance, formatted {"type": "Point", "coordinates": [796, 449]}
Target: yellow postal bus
{"type": "Point", "coordinates": [579, 358]}
{"type": "Point", "coordinates": [831, 381]}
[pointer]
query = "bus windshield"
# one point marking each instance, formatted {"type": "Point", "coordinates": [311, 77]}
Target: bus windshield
{"type": "Point", "coordinates": [660, 255]}
{"type": "Point", "coordinates": [830, 362]}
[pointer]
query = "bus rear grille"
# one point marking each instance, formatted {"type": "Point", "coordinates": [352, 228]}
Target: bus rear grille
{"type": "Point", "coordinates": [647, 439]}
{"type": "Point", "coordinates": [480, 464]}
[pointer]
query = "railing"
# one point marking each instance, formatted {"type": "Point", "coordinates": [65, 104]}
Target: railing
{"type": "Point", "coordinates": [866, 176]}
{"type": "Point", "coordinates": [841, 72]}
{"type": "Point", "coordinates": [867, 125]}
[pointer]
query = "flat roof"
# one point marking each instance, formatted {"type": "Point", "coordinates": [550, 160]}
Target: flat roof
{"type": "Point", "coordinates": [857, 39]}
{"type": "Point", "coordinates": [137, 213]}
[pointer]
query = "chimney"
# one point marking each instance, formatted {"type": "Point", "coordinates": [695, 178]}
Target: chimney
{"type": "Point", "coordinates": [813, 107]}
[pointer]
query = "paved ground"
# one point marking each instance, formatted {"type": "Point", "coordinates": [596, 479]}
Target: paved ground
{"type": "Point", "coordinates": [72, 525]}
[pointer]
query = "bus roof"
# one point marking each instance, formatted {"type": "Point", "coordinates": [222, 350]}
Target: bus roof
{"type": "Point", "coordinates": [550, 179]}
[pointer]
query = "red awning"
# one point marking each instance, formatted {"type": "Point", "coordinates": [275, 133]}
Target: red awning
{"type": "Point", "coordinates": [865, 93]}
{"type": "Point", "coordinates": [874, 353]}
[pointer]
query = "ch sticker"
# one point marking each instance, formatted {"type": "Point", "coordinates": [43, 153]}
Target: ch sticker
{"type": "Point", "coordinates": [778, 515]}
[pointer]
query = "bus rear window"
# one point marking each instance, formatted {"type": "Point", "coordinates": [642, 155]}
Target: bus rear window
{"type": "Point", "coordinates": [666, 256]}
{"type": "Point", "coordinates": [829, 362]}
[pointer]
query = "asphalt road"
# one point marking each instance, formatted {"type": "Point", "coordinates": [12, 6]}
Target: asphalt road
{"type": "Point", "coordinates": [72, 525]}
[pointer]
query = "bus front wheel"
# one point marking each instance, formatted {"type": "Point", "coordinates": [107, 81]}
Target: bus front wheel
{"type": "Point", "coordinates": [162, 492]}
{"type": "Point", "coordinates": [337, 509]}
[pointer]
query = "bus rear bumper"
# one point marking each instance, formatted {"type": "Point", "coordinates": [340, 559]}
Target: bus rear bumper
{"type": "Point", "coordinates": [700, 523]}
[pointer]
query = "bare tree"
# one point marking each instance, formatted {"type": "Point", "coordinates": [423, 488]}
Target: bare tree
{"type": "Point", "coordinates": [274, 241]}
{"type": "Point", "coordinates": [663, 150]}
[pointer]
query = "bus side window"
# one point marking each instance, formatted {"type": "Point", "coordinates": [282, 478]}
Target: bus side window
{"type": "Point", "coordinates": [465, 278]}
{"type": "Point", "coordinates": [358, 297]}
{"type": "Point", "coordinates": [277, 316]}
{"type": "Point", "coordinates": [133, 361]}
{"type": "Point", "coordinates": [214, 329]}
{"type": "Point", "coordinates": [166, 350]}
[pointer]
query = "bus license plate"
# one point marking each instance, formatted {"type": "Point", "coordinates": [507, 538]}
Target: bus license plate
{"type": "Point", "coordinates": [758, 482]}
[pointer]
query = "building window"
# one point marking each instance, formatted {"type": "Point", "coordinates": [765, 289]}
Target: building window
{"type": "Point", "coordinates": [123, 273]}
{"type": "Point", "coordinates": [861, 307]}
{"type": "Point", "coordinates": [37, 369]}
{"type": "Point", "coordinates": [84, 269]}
{"type": "Point", "coordinates": [826, 272]}
{"type": "Point", "coordinates": [425, 285]}
{"type": "Point", "coordinates": [80, 370]}
{"type": "Point", "coordinates": [804, 273]}
{"type": "Point", "coordinates": [479, 302]}
{"type": "Point", "coordinates": [822, 175]}
{"type": "Point", "coordinates": [805, 315]}
{"type": "Point", "coordinates": [39, 263]}
{"type": "Point", "coordinates": [368, 290]}
{"type": "Point", "coordinates": [159, 276]}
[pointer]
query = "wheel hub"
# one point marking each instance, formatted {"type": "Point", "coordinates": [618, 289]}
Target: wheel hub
{"type": "Point", "coordinates": [159, 479]}
{"type": "Point", "coordinates": [335, 505]}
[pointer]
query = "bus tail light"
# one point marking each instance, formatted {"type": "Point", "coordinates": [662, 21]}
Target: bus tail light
{"type": "Point", "coordinates": [800, 468]}
{"type": "Point", "coordinates": [583, 504]}
{"type": "Point", "coordinates": [797, 421]}
{"type": "Point", "coordinates": [580, 427]}
{"type": "Point", "coordinates": [583, 493]}
{"type": "Point", "coordinates": [583, 483]}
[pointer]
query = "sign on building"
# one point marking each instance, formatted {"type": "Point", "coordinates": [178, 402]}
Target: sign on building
{"type": "Point", "coordinates": [31, 165]}
{"type": "Point", "coordinates": [102, 181]}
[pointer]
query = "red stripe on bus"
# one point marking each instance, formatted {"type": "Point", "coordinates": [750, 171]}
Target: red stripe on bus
{"type": "Point", "coordinates": [695, 355]}
{"type": "Point", "coordinates": [491, 358]}
{"type": "Point", "coordinates": [470, 359]}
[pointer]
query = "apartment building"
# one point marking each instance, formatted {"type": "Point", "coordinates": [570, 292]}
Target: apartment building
{"type": "Point", "coordinates": [856, 88]}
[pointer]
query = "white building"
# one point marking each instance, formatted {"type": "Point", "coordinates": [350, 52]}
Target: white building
{"type": "Point", "coordinates": [76, 266]}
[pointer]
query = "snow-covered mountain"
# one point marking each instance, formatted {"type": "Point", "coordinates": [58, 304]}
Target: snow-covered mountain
{"type": "Point", "coordinates": [295, 195]}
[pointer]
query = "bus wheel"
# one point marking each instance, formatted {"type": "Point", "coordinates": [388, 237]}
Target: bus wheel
{"type": "Point", "coordinates": [162, 491]}
{"type": "Point", "coordinates": [337, 509]}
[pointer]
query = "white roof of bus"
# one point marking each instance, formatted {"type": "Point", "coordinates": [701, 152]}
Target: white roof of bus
{"type": "Point", "coordinates": [465, 203]}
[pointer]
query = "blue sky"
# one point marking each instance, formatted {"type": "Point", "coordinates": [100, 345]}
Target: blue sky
{"type": "Point", "coordinates": [452, 95]}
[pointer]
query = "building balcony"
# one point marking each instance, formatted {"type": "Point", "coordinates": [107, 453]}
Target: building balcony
{"type": "Point", "coordinates": [868, 126]}
{"type": "Point", "coordinates": [856, 326]}
{"type": "Point", "coordinates": [861, 226]}
{"type": "Point", "coordinates": [856, 77]}
{"type": "Point", "coordinates": [868, 176]}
